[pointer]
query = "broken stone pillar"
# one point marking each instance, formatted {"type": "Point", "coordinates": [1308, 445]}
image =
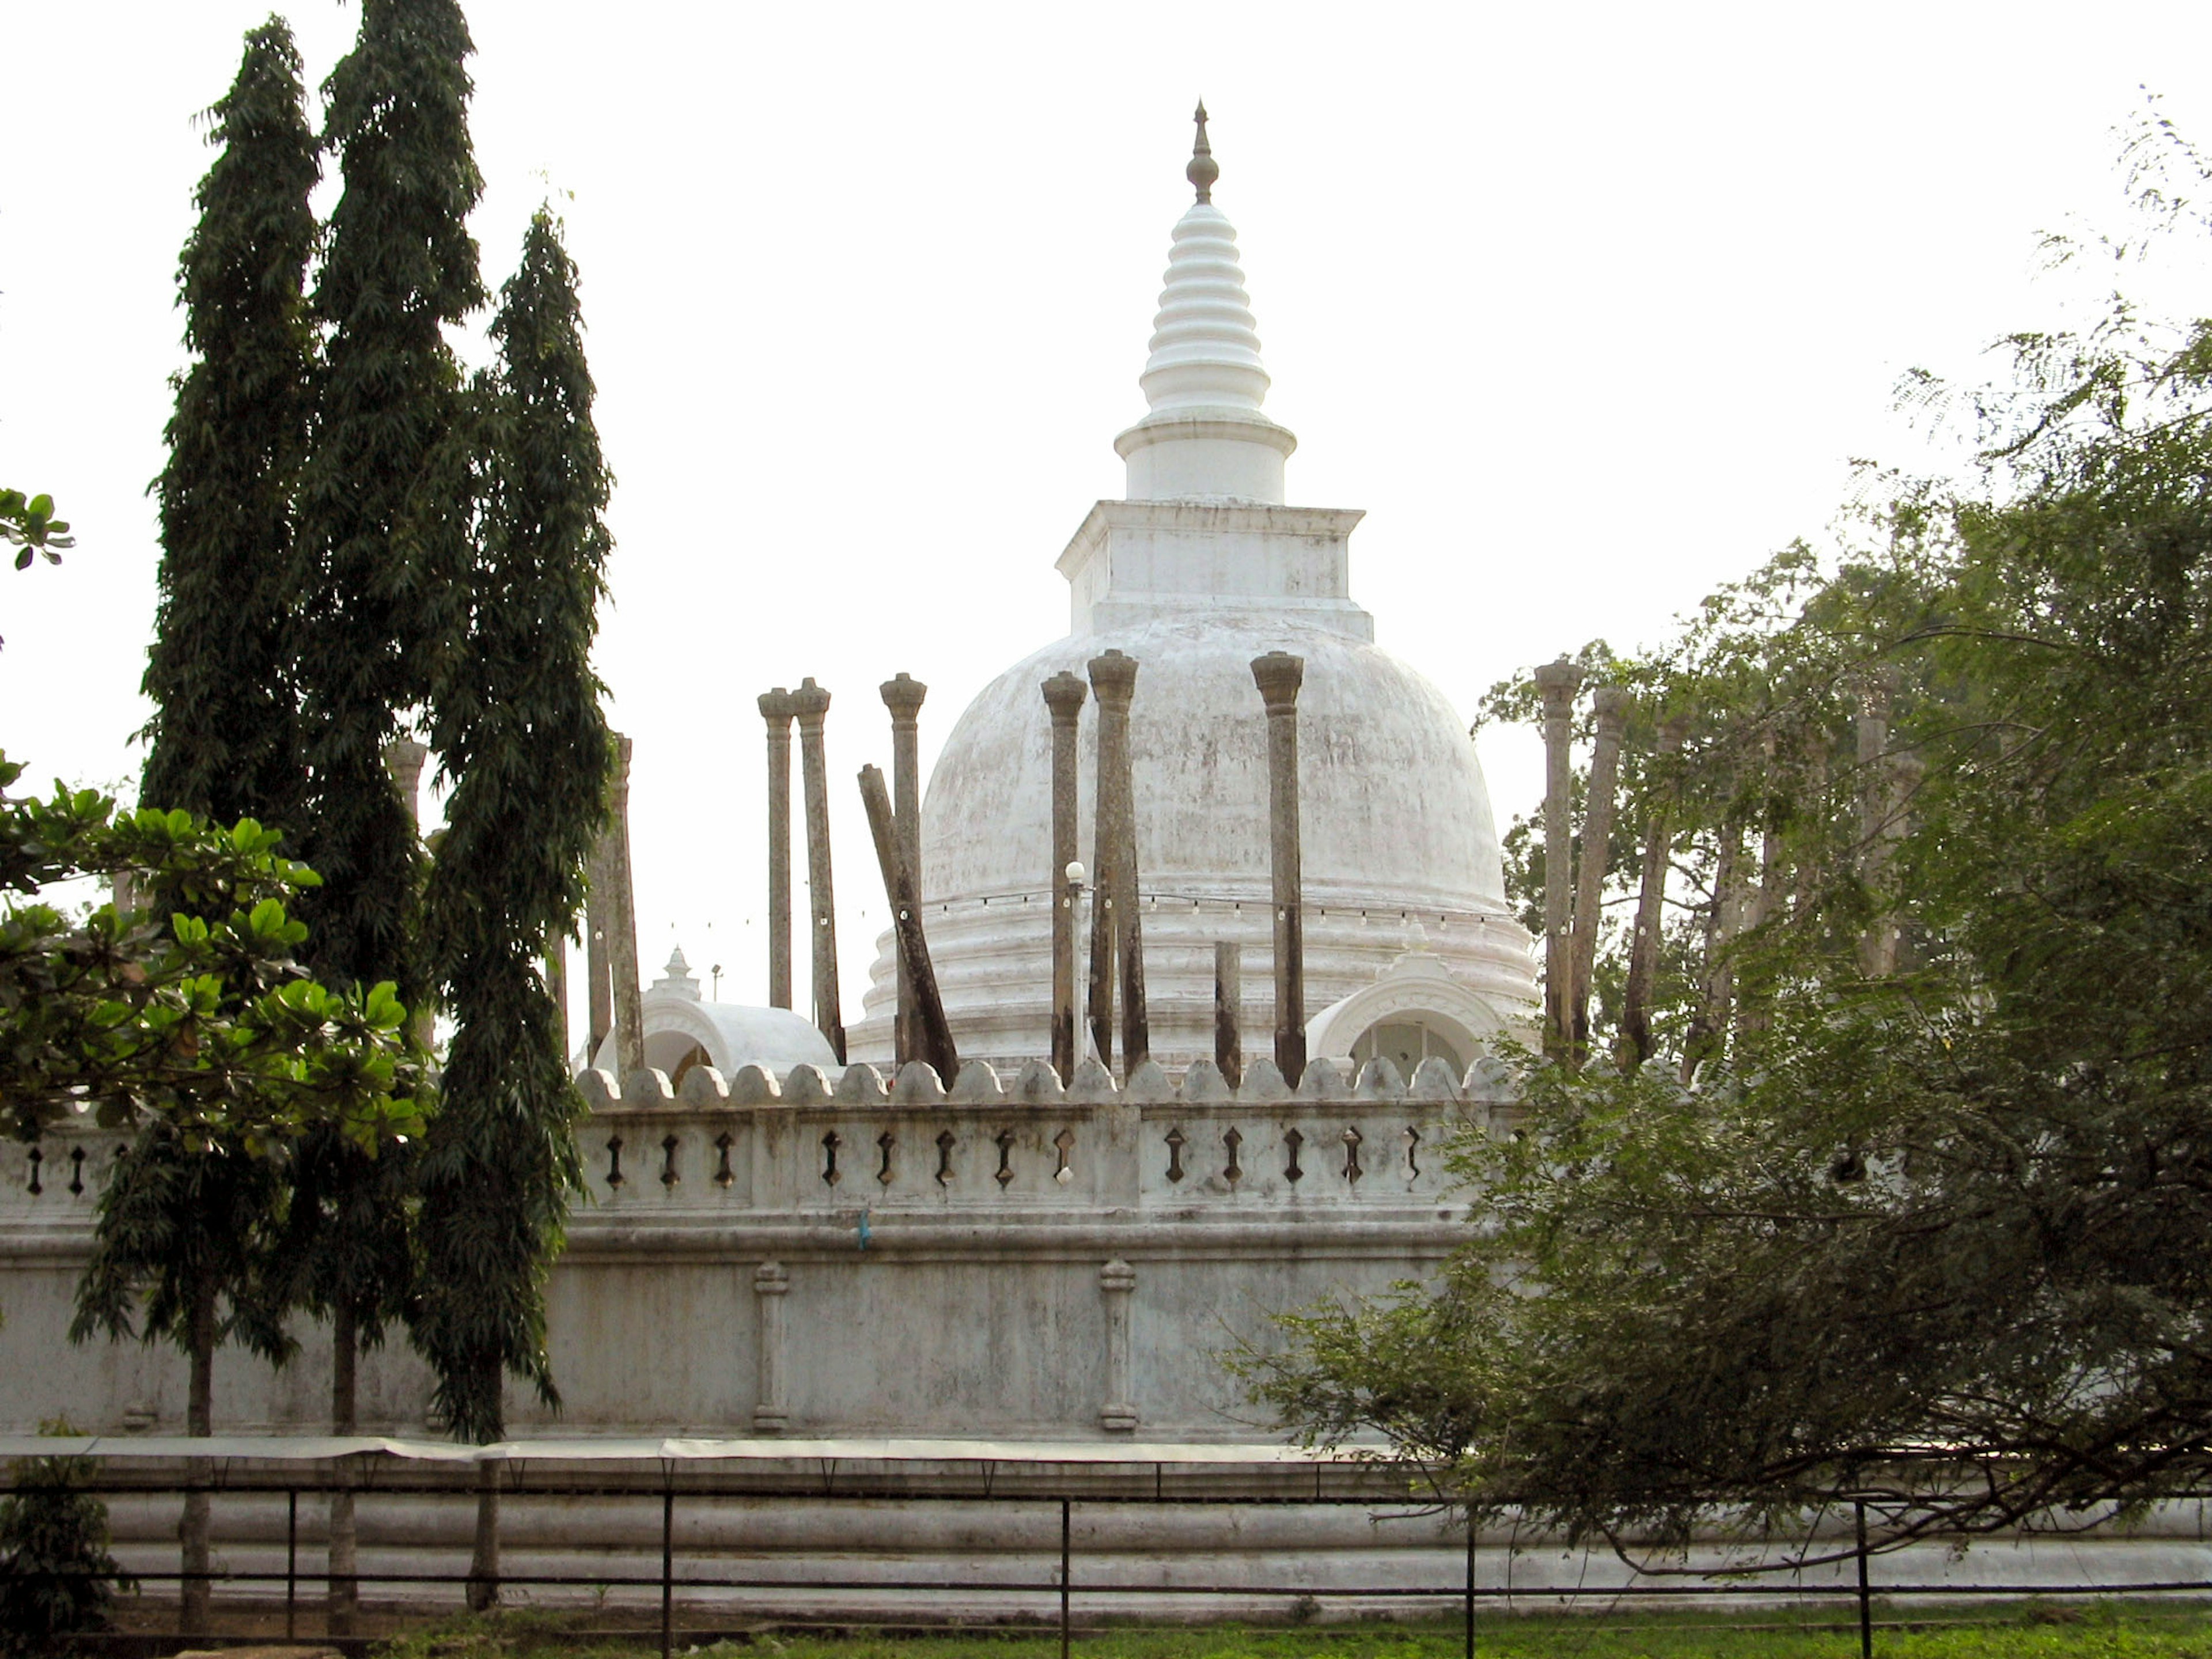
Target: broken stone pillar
{"type": "Point", "coordinates": [920, 1009]}
{"type": "Point", "coordinates": [1063, 695]}
{"type": "Point", "coordinates": [1227, 1011]}
{"type": "Point", "coordinates": [812, 705]}
{"type": "Point", "coordinates": [622, 918]}
{"type": "Point", "coordinates": [1114, 681]}
{"type": "Point", "coordinates": [902, 695]}
{"type": "Point", "coordinates": [775, 709]}
{"type": "Point", "coordinates": [1556, 684]}
{"type": "Point", "coordinates": [1611, 705]}
{"type": "Point", "coordinates": [1279, 675]}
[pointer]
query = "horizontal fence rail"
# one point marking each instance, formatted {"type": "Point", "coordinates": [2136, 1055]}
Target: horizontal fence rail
{"type": "Point", "coordinates": [1045, 1478]}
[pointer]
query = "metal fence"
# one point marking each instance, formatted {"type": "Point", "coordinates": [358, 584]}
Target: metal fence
{"type": "Point", "coordinates": [1057, 1481]}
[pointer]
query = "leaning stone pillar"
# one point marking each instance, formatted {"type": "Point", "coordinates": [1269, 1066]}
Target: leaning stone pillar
{"type": "Point", "coordinates": [1113, 679]}
{"type": "Point", "coordinates": [902, 695]}
{"type": "Point", "coordinates": [1556, 684]}
{"type": "Point", "coordinates": [775, 709]}
{"type": "Point", "coordinates": [622, 957]}
{"type": "Point", "coordinates": [812, 704]}
{"type": "Point", "coordinates": [1611, 704]}
{"type": "Point", "coordinates": [1063, 696]}
{"type": "Point", "coordinates": [1279, 675]}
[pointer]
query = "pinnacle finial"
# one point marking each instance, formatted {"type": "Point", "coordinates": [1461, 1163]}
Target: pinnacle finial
{"type": "Point", "coordinates": [1203, 169]}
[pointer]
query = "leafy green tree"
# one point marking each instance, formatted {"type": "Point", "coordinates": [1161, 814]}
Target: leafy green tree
{"type": "Point", "coordinates": [224, 734]}
{"type": "Point", "coordinates": [1927, 1232]}
{"type": "Point", "coordinates": [205, 1034]}
{"type": "Point", "coordinates": [57, 1579]}
{"type": "Point", "coordinates": [519, 727]}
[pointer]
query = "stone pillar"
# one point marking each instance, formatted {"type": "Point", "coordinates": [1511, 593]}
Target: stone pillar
{"type": "Point", "coordinates": [1611, 704]}
{"type": "Point", "coordinates": [902, 695]}
{"type": "Point", "coordinates": [1556, 684]}
{"type": "Point", "coordinates": [812, 704]}
{"type": "Point", "coordinates": [1114, 681]}
{"type": "Point", "coordinates": [556, 990]}
{"type": "Point", "coordinates": [1063, 696]}
{"type": "Point", "coordinates": [775, 709]}
{"type": "Point", "coordinates": [772, 1411]}
{"type": "Point", "coordinates": [622, 917]}
{"type": "Point", "coordinates": [598, 972]}
{"type": "Point", "coordinates": [1877, 826]}
{"type": "Point", "coordinates": [1227, 1011]}
{"type": "Point", "coordinates": [1279, 675]}
{"type": "Point", "coordinates": [1117, 1279]}
{"type": "Point", "coordinates": [404, 758]}
{"type": "Point", "coordinates": [1650, 905]}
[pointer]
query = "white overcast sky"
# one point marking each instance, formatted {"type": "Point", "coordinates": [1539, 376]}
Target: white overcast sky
{"type": "Point", "coordinates": [1586, 305]}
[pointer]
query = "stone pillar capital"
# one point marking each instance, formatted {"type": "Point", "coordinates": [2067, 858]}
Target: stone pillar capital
{"type": "Point", "coordinates": [776, 709]}
{"type": "Point", "coordinates": [810, 702]}
{"type": "Point", "coordinates": [903, 695]}
{"type": "Point", "coordinates": [1556, 684]}
{"type": "Point", "coordinates": [1114, 677]}
{"type": "Point", "coordinates": [1063, 695]}
{"type": "Point", "coordinates": [1612, 704]}
{"type": "Point", "coordinates": [1279, 675]}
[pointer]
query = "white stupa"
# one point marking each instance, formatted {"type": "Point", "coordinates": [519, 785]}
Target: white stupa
{"type": "Point", "coordinates": [1199, 569]}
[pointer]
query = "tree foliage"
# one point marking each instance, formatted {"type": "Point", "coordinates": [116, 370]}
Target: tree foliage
{"type": "Point", "coordinates": [518, 728]}
{"type": "Point", "coordinates": [383, 538]}
{"type": "Point", "coordinates": [1928, 1229]}
{"type": "Point", "coordinates": [205, 1020]}
{"type": "Point", "coordinates": [58, 1579]}
{"type": "Point", "coordinates": [224, 737]}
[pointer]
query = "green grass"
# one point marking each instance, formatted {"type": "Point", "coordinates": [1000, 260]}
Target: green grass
{"type": "Point", "coordinates": [2038, 1631]}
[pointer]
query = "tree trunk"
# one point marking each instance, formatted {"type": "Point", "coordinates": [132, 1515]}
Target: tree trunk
{"type": "Point", "coordinates": [344, 1587]}
{"type": "Point", "coordinates": [195, 1592]}
{"type": "Point", "coordinates": [484, 1564]}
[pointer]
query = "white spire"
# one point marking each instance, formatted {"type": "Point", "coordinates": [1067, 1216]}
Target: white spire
{"type": "Point", "coordinates": [1206, 437]}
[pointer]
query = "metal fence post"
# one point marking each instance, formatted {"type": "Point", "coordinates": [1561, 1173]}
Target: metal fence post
{"type": "Point", "coordinates": [1470, 1585]}
{"type": "Point", "coordinates": [667, 1568]}
{"type": "Point", "coordinates": [291, 1563]}
{"type": "Point", "coordinates": [1866, 1607]}
{"type": "Point", "coordinates": [1064, 1537]}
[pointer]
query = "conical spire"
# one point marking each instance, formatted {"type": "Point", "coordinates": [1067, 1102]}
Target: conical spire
{"type": "Point", "coordinates": [1205, 369]}
{"type": "Point", "coordinates": [1203, 169]}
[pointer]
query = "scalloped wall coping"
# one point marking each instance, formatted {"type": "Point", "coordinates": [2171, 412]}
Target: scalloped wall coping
{"type": "Point", "coordinates": [1487, 1082]}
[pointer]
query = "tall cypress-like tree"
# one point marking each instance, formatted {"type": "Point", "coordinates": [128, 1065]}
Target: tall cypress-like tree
{"type": "Point", "coordinates": [519, 731]}
{"type": "Point", "coordinates": [225, 733]}
{"type": "Point", "coordinates": [382, 549]}
{"type": "Point", "coordinates": [185, 1225]}
{"type": "Point", "coordinates": [381, 536]}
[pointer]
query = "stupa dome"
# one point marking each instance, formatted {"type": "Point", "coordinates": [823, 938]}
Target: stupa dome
{"type": "Point", "coordinates": [1201, 570]}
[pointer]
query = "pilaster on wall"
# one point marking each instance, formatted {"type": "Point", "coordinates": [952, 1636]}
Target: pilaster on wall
{"type": "Point", "coordinates": [1117, 1282]}
{"type": "Point", "coordinates": [771, 1284]}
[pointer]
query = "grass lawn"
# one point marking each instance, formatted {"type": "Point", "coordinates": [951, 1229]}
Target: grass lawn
{"type": "Point", "coordinates": [2040, 1631]}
